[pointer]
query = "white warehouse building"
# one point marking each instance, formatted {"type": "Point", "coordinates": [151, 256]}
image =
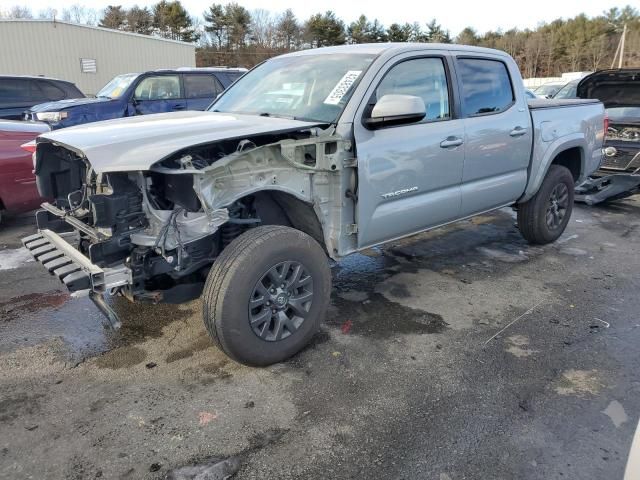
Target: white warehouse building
{"type": "Point", "coordinates": [85, 55]}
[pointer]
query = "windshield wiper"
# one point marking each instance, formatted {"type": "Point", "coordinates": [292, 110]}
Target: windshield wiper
{"type": "Point", "coordinates": [267, 114]}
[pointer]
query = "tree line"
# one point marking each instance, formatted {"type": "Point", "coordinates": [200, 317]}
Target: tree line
{"type": "Point", "coordinates": [229, 34]}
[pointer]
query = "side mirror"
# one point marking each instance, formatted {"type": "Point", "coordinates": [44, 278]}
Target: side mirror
{"type": "Point", "coordinates": [395, 109]}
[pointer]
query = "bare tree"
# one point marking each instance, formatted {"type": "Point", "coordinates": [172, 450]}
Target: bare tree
{"type": "Point", "coordinates": [263, 28]}
{"type": "Point", "coordinates": [17, 12]}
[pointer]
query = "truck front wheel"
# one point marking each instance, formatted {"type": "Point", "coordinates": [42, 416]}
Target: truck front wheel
{"type": "Point", "coordinates": [266, 295]}
{"type": "Point", "coordinates": [543, 217]}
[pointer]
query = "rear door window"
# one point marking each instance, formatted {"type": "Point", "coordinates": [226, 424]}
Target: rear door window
{"type": "Point", "coordinates": [201, 86]}
{"type": "Point", "coordinates": [486, 86]}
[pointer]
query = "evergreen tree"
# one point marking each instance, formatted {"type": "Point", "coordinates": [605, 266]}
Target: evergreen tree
{"type": "Point", "coordinates": [113, 17]}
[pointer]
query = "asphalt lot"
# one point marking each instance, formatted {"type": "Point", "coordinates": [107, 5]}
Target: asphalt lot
{"type": "Point", "coordinates": [406, 379]}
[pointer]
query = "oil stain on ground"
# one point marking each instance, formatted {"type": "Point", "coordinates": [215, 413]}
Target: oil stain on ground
{"type": "Point", "coordinates": [380, 318]}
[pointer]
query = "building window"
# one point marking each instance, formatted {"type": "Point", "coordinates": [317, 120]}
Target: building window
{"type": "Point", "coordinates": [88, 65]}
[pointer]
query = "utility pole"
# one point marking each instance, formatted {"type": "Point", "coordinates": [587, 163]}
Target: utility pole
{"type": "Point", "coordinates": [624, 34]}
{"type": "Point", "coordinates": [620, 49]}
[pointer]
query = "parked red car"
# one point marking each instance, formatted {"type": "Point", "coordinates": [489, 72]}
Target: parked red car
{"type": "Point", "coordinates": [18, 192]}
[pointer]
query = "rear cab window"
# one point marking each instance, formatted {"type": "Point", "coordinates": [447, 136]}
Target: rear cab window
{"type": "Point", "coordinates": [201, 86]}
{"type": "Point", "coordinates": [485, 86]}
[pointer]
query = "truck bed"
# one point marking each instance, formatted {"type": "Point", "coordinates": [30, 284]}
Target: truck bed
{"type": "Point", "coordinates": [560, 125]}
{"type": "Point", "coordinates": [538, 103]}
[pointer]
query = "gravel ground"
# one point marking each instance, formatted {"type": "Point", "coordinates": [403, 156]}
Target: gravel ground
{"type": "Point", "coordinates": [461, 353]}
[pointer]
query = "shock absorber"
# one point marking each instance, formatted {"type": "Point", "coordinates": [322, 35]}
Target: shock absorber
{"type": "Point", "coordinates": [231, 229]}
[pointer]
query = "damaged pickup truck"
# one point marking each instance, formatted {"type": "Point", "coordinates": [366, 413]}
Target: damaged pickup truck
{"type": "Point", "coordinates": [312, 154]}
{"type": "Point", "coordinates": [619, 174]}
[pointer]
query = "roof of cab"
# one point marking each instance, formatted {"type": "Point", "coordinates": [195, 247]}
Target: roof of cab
{"type": "Point", "coordinates": [35, 77]}
{"type": "Point", "coordinates": [394, 47]}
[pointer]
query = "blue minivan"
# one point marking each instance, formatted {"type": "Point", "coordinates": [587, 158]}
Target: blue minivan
{"type": "Point", "coordinates": [139, 94]}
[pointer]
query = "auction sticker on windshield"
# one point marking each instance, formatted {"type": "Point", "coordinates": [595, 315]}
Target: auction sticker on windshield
{"type": "Point", "coordinates": [342, 87]}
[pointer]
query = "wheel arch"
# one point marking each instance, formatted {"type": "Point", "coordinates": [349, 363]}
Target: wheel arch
{"type": "Point", "coordinates": [569, 152]}
{"type": "Point", "coordinates": [279, 207]}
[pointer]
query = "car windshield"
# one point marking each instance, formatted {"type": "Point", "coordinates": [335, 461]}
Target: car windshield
{"type": "Point", "coordinates": [304, 87]}
{"type": "Point", "coordinates": [547, 89]}
{"type": "Point", "coordinates": [617, 114]}
{"type": "Point", "coordinates": [568, 91]}
{"type": "Point", "coordinates": [117, 86]}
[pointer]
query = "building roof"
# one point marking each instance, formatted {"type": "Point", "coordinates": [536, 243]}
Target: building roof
{"type": "Point", "coordinates": [92, 27]}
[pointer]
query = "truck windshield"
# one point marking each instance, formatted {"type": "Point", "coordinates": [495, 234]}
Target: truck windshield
{"type": "Point", "coordinates": [312, 87]}
{"type": "Point", "coordinates": [117, 86]}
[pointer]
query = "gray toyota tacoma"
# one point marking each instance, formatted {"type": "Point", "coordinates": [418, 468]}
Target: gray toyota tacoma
{"type": "Point", "coordinates": [313, 154]}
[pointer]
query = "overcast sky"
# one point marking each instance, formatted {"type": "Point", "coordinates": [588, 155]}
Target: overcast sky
{"type": "Point", "coordinates": [483, 15]}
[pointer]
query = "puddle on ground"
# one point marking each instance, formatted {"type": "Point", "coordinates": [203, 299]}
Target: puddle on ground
{"type": "Point", "coordinates": [33, 319]}
{"type": "Point", "coordinates": [13, 258]}
{"type": "Point", "coordinates": [369, 292]}
{"type": "Point", "coordinates": [615, 411]}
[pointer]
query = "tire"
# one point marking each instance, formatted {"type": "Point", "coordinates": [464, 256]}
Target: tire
{"type": "Point", "coordinates": [245, 272]}
{"type": "Point", "coordinates": [544, 217]}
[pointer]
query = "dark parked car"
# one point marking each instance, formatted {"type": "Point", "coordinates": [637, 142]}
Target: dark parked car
{"type": "Point", "coordinates": [619, 174]}
{"type": "Point", "coordinates": [140, 93]}
{"type": "Point", "coordinates": [19, 93]}
{"type": "Point", "coordinates": [18, 191]}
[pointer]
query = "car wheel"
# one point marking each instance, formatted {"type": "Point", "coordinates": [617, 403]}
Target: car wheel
{"type": "Point", "coordinates": [266, 295]}
{"type": "Point", "coordinates": [544, 217]}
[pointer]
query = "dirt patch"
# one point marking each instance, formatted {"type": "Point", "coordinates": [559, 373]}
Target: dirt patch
{"type": "Point", "coordinates": [579, 383]}
{"type": "Point", "coordinates": [202, 343]}
{"type": "Point", "coordinates": [518, 346]}
{"type": "Point", "coordinates": [459, 303]}
{"type": "Point", "coordinates": [18, 405]}
{"type": "Point", "coordinates": [123, 357]}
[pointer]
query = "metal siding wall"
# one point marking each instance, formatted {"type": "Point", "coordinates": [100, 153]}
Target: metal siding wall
{"type": "Point", "coordinates": [55, 49]}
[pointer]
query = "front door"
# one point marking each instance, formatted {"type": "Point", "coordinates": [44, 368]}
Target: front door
{"type": "Point", "coordinates": [409, 175]}
{"type": "Point", "coordinates": [498, 134]}
{"type": "Point", "coordinates": [158, 94]}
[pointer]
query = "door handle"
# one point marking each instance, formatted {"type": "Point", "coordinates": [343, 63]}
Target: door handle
{"type": "Point", "coordinates": [518, 131]}
{"type": "Point", "coordinates": [178, 107]}
{"type": "Point", "coordinates": [451, 142]}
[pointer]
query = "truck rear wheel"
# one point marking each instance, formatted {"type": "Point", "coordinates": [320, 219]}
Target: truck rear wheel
{"type": "Point", "coordinates": [266, 295]}
{"type": "Point", "coordinates": [543, 217]}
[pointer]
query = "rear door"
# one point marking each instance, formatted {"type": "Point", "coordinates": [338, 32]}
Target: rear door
{"type": "Point", "coordinates": [409, 175]}
{"type": "Point", "coordinates": [158, 94]}
{"type": "Point", "coordinates": [200, 90]}
{"type": "Point", "coordinates": [497, 134]}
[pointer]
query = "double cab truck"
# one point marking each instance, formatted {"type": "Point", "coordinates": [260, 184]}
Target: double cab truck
{"type": "Point", "coordinates": [313, 154]}
{"type": "Point", "coordinates": [132, 94]}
